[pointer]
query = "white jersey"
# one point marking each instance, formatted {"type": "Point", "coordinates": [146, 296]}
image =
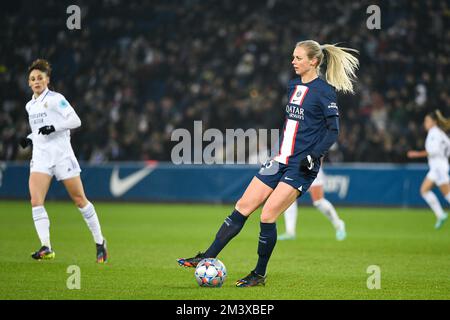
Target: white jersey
{"type": "Point", "coordinates": [437, 146]}
{"type": "Point", "coordinates": [51, 108]}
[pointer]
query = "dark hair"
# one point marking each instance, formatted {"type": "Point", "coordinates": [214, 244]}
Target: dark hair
{"type": "Point", "coordinates": [442, 122]}
{"type": "Point", "coordinates": [41, 65]}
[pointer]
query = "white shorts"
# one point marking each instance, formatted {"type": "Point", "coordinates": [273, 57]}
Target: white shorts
{"type": "Point", "coordinates": [438, 175]}
{"type": "Point", "coordinates": [65, 169]}
{"type": "Point", "coordinates": [320, 179]}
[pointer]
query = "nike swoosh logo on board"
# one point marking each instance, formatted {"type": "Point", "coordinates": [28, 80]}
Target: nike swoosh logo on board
{"type": "Point", "coordinates": [120, 186]}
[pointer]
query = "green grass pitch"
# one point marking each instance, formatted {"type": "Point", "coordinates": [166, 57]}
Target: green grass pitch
{"type": "Point", "coordinates": [144, 241]}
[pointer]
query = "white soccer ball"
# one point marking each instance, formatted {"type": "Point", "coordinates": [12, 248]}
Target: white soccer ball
{"type": "Point", "coordinates": [210, 273]}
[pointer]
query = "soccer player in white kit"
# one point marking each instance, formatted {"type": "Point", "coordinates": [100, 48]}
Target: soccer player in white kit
{"type": "Point", "coordinates": [437, 149]}
{"type": "Point", "coordinates": [51, 117]}
{"type": "Point", "coordinates": [322, 204]}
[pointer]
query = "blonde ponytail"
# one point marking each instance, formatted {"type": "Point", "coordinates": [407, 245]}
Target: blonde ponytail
{"type": "Point", "coordinates": [341, 65]}
{"type": "Point", "coordinates": [442, 122]}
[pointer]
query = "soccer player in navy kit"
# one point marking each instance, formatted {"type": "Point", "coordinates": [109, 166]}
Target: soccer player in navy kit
{"type": "Point", "coordinates": [310, 128]}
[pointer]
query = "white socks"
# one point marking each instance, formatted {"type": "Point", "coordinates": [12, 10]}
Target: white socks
{"type": "Point", "coordinates": [290, 218]}
{"type": "Point", "coordinates": [325, 206]}
{"type": "Point", "coordinates": [42, 224]}
{"type": "Point", "coordinates": [90, 216]}
{"type": "Point", "coordinates": [434, 203]}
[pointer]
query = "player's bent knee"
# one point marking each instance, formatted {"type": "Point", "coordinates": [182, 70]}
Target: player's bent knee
{"type": "Point", "coordinates": [268, 218]}
{"type": "Point", "coordinates": [244, 207]}
{"type": "Point", "coordinates": [80, 201]}
{"type": "Point", "coordinates": [319, 203]}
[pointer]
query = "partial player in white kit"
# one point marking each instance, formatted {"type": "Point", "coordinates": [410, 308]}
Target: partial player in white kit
{"type": "Point", "coordinates": [51, 117]}
{"type": "Point", "coordinates": [322, 204]}
{"type": "Point", "coordinates": [437, 149]}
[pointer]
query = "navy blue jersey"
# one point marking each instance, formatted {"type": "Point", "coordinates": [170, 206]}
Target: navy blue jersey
{"type": "Point", "coordinates": [309, 109]}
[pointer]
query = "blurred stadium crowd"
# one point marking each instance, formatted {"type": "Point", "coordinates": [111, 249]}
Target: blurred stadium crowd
{"type": "Point", "coordinates": [137, 70]}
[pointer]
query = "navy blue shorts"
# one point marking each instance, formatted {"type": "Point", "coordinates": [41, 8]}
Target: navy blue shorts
{"type": "Point", "coordinates": [273, 172]}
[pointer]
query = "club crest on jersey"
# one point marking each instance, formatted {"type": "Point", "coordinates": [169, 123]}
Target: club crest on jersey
{"type": "Point", "coordinates": [299, 95]}
{"type": "Point", "coordinates": [45, 105]}
{"type": "Point", "coordinates": [63, 104]}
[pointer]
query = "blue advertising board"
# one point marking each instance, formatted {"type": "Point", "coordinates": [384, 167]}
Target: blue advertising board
{"type": "Point", "coordinates": [345, 184]}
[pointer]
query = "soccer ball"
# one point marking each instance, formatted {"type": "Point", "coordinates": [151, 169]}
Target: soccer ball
{"type": "Point", "coordinates": [210, 273]}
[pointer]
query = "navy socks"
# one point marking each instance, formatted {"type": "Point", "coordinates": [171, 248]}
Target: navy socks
{"type": "Point", "coordinates": [229, 229]}
{"type": "Point", "coordinates": [232, 226]}
{"type": "Point", "coordinates": [267, 241]}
